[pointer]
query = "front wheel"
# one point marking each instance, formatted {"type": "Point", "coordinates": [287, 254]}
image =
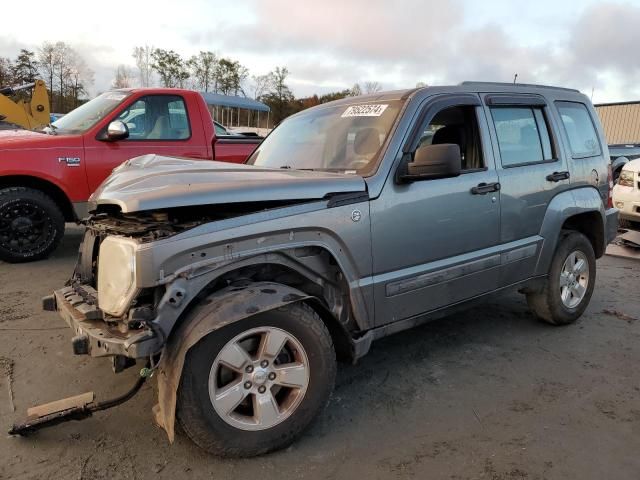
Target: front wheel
{"type": "Point", "coordinates": [570, 284]}
{"type": "Point", "coordinates": [254, 386]}
{"type": "Point", "coordinates": [31, 225]}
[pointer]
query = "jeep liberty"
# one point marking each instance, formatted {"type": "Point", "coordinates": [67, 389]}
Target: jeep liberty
{"type": "Point", "coordinates": [239, 286]}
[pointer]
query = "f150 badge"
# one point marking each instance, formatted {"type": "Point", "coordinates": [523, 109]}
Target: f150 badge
{"type": "Point", "coordinates": [70, 161]}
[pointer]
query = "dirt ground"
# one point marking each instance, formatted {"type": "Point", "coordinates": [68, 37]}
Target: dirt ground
{"type": "Point", "coordinates": [487, 394]}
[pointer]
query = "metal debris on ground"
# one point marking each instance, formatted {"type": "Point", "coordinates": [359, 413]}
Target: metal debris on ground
{"type": "Point", "coordinates": [620, 315]}
{"type": "Point", "coordinates": [627, 245]}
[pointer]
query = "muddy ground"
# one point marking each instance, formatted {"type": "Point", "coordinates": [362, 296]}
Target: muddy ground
{"type": "Point", "coordinates": [488, 394]}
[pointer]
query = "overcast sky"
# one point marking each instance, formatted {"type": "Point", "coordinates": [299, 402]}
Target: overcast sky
{"type": "Point", "coordinates": [331, 44]}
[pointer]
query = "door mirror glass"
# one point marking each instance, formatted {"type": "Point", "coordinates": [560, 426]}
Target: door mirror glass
{"type": "Point", "coordinates": [434, 161]}
{"type": "Point", "coordinates": [117, 130]}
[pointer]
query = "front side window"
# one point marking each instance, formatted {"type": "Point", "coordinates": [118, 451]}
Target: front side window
{"type": "Point", "coordinates": [523, 136]}
{"type": "Point", "coordinates": [157, 117]}
{"type": "Point", "coordinates": [342, 138]}
{"type": "Point", "coordinates": [577, 122]}
{"type": "Point", "coordinates": [457, 125]}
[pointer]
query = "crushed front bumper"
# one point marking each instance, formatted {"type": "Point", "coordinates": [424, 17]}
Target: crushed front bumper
{"type": "Point", "coordinates": [94, 336]}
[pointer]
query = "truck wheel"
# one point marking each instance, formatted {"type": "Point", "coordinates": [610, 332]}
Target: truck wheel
{"type": "Point", "coordinates": [254, 386]}
{"type": "Point", "coordinates": [570, 284]}
{"type": "Point", "coordinates": [31, 225]}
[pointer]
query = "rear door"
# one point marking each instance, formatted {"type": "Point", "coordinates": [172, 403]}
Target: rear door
{"type": "Point", "coordinates": [159, 124]}
{"type": "Point", "coordinates": [532, 170]}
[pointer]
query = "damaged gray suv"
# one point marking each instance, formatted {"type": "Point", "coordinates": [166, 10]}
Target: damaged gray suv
{"type": "Point", "coordinates": [239, 286]}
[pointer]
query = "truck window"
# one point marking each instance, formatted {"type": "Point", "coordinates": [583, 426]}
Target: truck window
{"type": "Point", "coordinates": [580, 130]}
{"type": "Point", "coordinates": [157, 117]}
{"type": "Point", "coordinates": [523, 135]}
{"type": "Point", "coordinates": [458, 125]}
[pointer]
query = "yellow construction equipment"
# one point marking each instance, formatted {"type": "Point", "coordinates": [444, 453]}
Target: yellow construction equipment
{"type": "Point", "coordinates": [28, 113]}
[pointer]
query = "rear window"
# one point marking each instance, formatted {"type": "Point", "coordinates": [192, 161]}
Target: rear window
{"type": "Point", "coordinates": [580, 130]}
{"type": "Point", "coordinates": [522, 134]}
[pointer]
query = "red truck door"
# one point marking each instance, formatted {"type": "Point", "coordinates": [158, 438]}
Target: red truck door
{"type": "Point", "coordinates": [163, 124]}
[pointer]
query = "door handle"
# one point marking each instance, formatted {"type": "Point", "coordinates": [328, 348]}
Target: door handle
{"type": "Point", "coordinates": [558, 176]}
{"type": "Point", "coordinates": [484, 188]}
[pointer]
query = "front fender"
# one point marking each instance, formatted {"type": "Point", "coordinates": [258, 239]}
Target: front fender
{"type": "Point", "coordinates": [221, 308]}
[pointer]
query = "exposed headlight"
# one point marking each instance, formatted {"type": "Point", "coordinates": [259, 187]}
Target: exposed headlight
{"type": "Point", "coordinates": [116, 275]}
{"type": "Point", "coordinates": [626, 178]}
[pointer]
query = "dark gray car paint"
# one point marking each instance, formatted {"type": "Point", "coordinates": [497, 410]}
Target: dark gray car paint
{"type": "Point", "coordinates": [154, 182]}
{"type": "Point", "coordinates": [411, 249]}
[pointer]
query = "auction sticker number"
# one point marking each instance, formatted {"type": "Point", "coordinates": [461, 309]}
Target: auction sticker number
{"type": "Point", "coordinates": [364, 110]}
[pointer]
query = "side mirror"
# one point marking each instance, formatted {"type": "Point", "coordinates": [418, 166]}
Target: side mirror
{"type": "Point", "coordinates": [433, 161]}
{"type": "Point", "coordinates": [117, 130]}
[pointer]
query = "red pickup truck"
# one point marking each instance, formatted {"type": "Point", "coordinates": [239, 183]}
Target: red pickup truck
{"type": "Point", "coordinates": [47, 177]}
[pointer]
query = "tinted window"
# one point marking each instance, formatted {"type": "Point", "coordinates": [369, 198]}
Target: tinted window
{"type": "Point", "coordinates": [157, 117]}
{"type": "Point", "coordinates": [577, 122]}
{"type": "Point", "coordinates": [523, 136]}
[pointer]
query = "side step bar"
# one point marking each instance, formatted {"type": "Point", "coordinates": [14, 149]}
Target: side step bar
{"type": "Point", "coordinates": [78, 407]}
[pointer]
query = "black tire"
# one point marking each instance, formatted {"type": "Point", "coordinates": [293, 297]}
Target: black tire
{"type": "Point", "coordinates": [547, 305]}
{"type": "Point", "coordinates": [200, 421]}
{"type": "Point", "coordinates": [31, 225]}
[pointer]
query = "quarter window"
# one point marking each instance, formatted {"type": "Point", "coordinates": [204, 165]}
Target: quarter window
{"type": "Point", "coordinates": [577, 122]}
{"type": "Point", "coordinates": [523, 136]}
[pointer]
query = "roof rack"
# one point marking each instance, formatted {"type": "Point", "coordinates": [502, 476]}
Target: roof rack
{"type": "Point", "coordinates": [505, 84]}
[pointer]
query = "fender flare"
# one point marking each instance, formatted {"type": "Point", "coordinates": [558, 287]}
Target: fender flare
{"type": "Point", "coordinates": [563, 206]}
{"type": "Point", "coordinates": [221, 308]}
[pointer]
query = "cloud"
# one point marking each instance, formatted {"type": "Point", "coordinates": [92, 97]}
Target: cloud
{"type": "Point", "coordinates": [400, 43]}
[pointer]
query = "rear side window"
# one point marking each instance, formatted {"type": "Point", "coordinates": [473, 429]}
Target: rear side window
{"type": "Point", "coordinates": [523, 136]}
{"type": "Point", "coordinates": [577, 122]}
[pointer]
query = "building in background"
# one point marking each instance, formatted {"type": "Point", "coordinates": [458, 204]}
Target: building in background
{"type": "Point", "coordinates": [239, 112]}
{"type": "Point", "coordinates": [621, 122]}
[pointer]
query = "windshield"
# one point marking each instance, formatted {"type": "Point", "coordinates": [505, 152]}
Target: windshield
{"type": "Point", "coordinates": [86, 116]}
{"type": "Point", "coordinates": [342, 138]}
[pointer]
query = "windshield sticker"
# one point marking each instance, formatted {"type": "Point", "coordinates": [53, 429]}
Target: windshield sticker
{"type": "Point", "coordinates": [364, 110]}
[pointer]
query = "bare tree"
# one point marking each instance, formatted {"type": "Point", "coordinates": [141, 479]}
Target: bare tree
{"type": "Point", "coordinates": [356, 90]}
{"type": "Point", "coordinates": [79, 79]}
{"type": "Point", "coordinates": [123, 78]}
{"type": "Point", "coordinates": [261, 84]}
{"type": "Point", "coordinates": [144, 61]}
{"type": "Point", "coordinates": [203, 70]}
{"type": "Point", "coordinates": [372, 87]}
{"type": "Point", "coordinates": [47, 61]}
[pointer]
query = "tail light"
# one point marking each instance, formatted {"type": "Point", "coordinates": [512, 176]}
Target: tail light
{"type": "Point", "coordinates": [610, 192]}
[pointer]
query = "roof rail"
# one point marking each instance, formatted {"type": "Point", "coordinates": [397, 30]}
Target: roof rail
{"type": "Point", "coordinates": [506, 84]}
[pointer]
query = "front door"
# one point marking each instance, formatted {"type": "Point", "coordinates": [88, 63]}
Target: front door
{"type": "Point", "coordinates": [157, 124]}
{"type": "Point", "coordinates": [434, 241]}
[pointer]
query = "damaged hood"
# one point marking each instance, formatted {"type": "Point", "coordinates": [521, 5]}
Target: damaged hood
{"type": "Point", "coordinates": [153, 182]}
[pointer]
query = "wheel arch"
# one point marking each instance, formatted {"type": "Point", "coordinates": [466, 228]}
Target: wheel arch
{"type": "Point", "coordinates": [579, 209]}
{"type": "Point", "coordinates": [214, 311]}
{"type": "Point", "coordinates": [51, 189]}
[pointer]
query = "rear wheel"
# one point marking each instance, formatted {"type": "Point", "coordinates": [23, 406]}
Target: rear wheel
{"type": "Point", "coordinates": [570, 284]}
{"type": "Point", "coordinates": [31, 224]}
{"type": "Point", "coordinates": [254, 386]}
